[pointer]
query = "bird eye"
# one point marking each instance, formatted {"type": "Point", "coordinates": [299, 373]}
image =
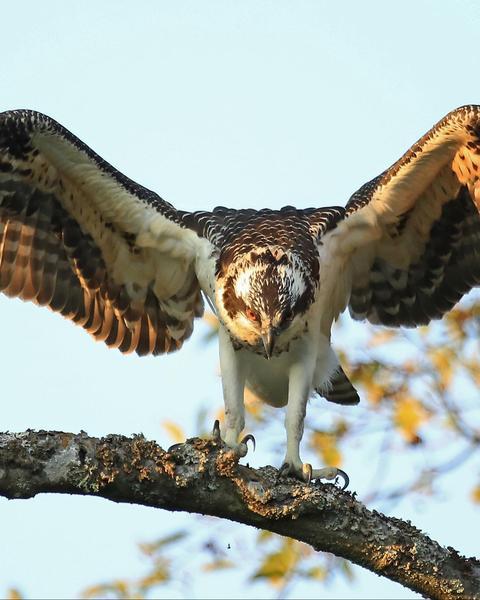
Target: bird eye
{"type": "Point", "coordinates": [251, 315]}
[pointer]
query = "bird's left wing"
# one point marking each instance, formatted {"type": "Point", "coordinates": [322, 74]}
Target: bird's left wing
{"type": "Point", "coordinates": [409, 246]}
{"type": "Point", "coordinates": [81, 238]}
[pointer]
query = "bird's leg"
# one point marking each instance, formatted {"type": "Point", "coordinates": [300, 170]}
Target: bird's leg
{"type": "Point", "coordinates": [233, 382]}
{"type": "Point", "coordinates": [298, 393]}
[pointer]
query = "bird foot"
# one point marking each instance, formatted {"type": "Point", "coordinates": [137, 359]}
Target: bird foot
{"type": "Point", "coordinates": [231, 440]}
{"type": "Point", "coordinates": [216, 431]}
{"type": "Point", "coordinates": [304, 472]}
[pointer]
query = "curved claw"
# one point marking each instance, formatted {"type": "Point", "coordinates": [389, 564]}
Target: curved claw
{"type": "Point", "coordinates": [216, 431]}
{"type": "Point", "coordinates": [345, 478]}
{"type": "Point", "coordinates": [307, 472]}
{"type": "Point", "coordinates": [283, 470]}
{"type": "Point", "coordinates": [174, 447]}
{"type": "Point", "coordinates": [249, 438]}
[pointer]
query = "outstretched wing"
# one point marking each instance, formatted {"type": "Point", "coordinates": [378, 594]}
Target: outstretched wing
{"type": "Point", "coordinates": [410, 242]}
{"type": "Point", "coordinates": [81, 238]}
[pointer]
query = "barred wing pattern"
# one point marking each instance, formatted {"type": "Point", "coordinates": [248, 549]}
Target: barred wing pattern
{"type": "Point", "coordinates": [78, 236]}
{"type": "Point", "coordinates": [81, 238]}
{"type": "Point", "coordinates": [413, 232]}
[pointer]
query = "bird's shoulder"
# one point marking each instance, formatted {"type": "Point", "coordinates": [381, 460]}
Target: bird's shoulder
{"type": "Point", "coordinates": [235, 231]}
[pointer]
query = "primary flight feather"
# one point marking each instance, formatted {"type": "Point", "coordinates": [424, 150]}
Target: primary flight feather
{"type": "Point", "coordinates": [81, 238]}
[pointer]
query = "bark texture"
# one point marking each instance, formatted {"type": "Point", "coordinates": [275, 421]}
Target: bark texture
{"type": "Point", "coordinates": [204, 477]}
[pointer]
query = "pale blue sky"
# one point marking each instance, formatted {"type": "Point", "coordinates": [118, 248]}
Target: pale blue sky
{"type": "Point", "coordinates": [252, 103]}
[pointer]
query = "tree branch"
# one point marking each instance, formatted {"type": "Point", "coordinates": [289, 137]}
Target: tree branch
{"type": "Point", "coordinates": [204, 477]}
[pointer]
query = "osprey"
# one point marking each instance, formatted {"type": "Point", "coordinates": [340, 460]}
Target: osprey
{"type": "Point", "coordinates": [83, 239]}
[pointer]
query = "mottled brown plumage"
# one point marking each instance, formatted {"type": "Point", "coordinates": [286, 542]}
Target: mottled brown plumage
{"type": "Point", "coordinates": [112, 256]}
{"type": "Point", "coordinates": [446, 261]}
{"type": "Point", "coordinates": [51, 258]}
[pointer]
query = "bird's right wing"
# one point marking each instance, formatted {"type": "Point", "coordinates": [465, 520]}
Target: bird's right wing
{"type": "Point", "coordinates": [79, 237]}
{"type": "Point", "coordinates": [409, 246]}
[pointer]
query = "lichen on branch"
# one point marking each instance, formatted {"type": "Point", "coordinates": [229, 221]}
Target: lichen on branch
{"type": "Point", "coordinates": [203, 476]}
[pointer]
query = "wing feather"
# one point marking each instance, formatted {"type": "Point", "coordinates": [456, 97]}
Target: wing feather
{"type": "Point", "coordinates": [410, 243]}
{"type": "Point", "coordinates": [71, 231]}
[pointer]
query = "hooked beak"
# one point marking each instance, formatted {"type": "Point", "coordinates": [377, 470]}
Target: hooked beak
{"type": "Point", "coordinates": [268, 339]}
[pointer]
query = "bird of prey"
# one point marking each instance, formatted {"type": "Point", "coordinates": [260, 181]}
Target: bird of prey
{"type": "Point", "coordinates": [80, 237]}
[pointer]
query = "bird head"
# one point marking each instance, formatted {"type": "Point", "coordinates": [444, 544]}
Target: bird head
{"type": "Point", "coordinates": [262, 295]}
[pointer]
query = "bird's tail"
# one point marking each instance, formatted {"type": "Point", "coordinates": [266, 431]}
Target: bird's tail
{"type": "Point", "coordinates": [339, 390]}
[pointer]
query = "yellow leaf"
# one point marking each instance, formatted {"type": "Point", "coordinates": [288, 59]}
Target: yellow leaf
{"type": "Point", "coordinates": [443, 360]}
{"type": "Point", "coordinates": [317, 573]}
{"type": "Point", "coordinates": [253, 404]}
{"type": "Point", "coordinates": [408, 416]}
{"type": "Point", "coordinates": [14, 594]}
{"type": "Point", "coordinates": [159, 575]}
{"type": "Point", "coordinates": [174, 431]}
{"type": "Point", "coordinates": [476, 494]}
{"type": "Point", "coordinates": [149, 549]}
{"type": "Point", "coordinates": [376, 393]}
{"type": "Point", "coordinates": [264, 535]}
{"type": "Point", "coordinates": [326, 445]}
{"type": "Point", "coordinates": [473, 368]}
{"type": "Point", "coordinates": [95, 591]}
{"type": "Point", "coordinates": [220, 563]}
{"type": "Point", "coordinates": [278, 564]}
{"type": "Point", "coordinates": [119, 588]}
{"type": "Point", "coordinates": [381, 337]}
{"type": "Point", "coordinates": [410, 367]}
{"type": "Point", "coordinates": [456, 322]}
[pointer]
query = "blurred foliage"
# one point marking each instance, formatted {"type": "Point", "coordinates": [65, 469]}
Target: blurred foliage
{"type": "Point", "coordinates": [174, 431]}
{"type": "Point", "coordinates": [159, 572]}
{"type": "Point", "coordinates": [419, 419]}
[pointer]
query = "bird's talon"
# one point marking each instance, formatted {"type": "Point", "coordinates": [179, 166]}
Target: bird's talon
{"type": "Point", "coordinates": [345, 477]}
{"type": "Point", "coordinates": [334, 475]}
{"type": "Point", "coordinates": [249, 438]}
{"type": "Point", "coordinates": [216, 431]}
{"type": "Point", "coordinates": [304, 472]}
{"type": "Point", "coordinates": [307, 472]}
{"type": "Point", "coordinates": [174, 447]}
{"type": "Point", "coordinates": [283, 470]}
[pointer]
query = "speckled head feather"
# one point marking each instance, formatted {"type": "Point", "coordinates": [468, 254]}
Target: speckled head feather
{"type": "Point", "coordinates": [275, 289]}
{"type": "Point", "coordinates": [268, 269]}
